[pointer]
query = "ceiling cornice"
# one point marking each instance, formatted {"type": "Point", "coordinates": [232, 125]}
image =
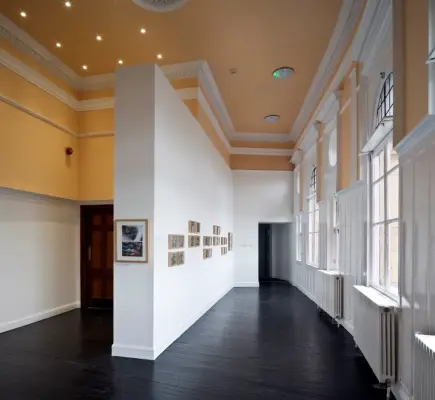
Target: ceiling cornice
{"type": "Point", "coordinates": [347, 20]}
{"type": "Point", "coordinates": [261, 152]}
{"type": "Point", "coordinates": [261, 137]}
{"type": "Point", "coordinates": [29, 46]}
{"type": "Point", "coordinates": [193, 69]}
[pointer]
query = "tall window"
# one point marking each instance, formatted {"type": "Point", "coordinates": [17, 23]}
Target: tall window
{"type": "Point", "coordinates": [385, 203]}
{"type": "Point", "coordinates": [313, 221]}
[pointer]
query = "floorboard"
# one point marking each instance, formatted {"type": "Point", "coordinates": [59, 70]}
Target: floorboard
{"type": "Point", "coordinates": [256, 343]}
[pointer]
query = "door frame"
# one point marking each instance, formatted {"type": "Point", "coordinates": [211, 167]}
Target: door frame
{"type": "Point", "coordinates": [84, 213]}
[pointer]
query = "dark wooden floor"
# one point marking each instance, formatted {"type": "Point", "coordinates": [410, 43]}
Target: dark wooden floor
{"type": "Point", "coordinates": [266, 343]}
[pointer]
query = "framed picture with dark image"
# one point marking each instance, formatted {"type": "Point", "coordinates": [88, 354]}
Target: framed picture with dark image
{"type": "Point", "coordinates": [132, 241]}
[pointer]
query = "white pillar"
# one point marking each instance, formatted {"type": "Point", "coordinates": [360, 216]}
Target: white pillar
{"type": "Point", "coordinates": [134, 199]}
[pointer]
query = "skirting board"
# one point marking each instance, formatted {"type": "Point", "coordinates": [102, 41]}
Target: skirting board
{"type": "Point", "coordinates": [142, 353]}
{"type": "Point", "coordinates": [246, 284]}
{"type": "Point", "coordinates": [147, 353]}
{"type": "Point", "coordinates": [308, 294]}
{"type": "Point", "coordinates": [346, 325]}
{"type": "Point", "coordinates": [399, 391]}
{"type": "Point", "coordinates": [31, 319]}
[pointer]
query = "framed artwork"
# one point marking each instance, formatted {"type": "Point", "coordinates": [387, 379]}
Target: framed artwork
{"type": "Point", "coordinates": [197, 241]}
{"type": "Point", "coordinates": [175, 242]}
{"type": "Point", "coordinates": [194, 227]}
{"type": "Point", "coordinates": [207, 253]}
{"type": "Point", "coordinates": [224, 250]}
{"type": "Point", "coordinates": [230, 241]}
{"type": "Point", "coordinates": [198, 227]}
{"type": "Point", "coordinates": [132, 240]}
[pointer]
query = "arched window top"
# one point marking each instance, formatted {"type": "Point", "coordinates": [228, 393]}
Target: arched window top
{"type": "Point", "coordinates": [385, 107]}
{"type": "Point", "coordinates": [313, 181]}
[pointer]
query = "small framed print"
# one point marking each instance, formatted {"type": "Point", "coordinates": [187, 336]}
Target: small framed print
{"type": "Point", "coordinates": [192, 241]}
{"type": "Point", "coordinates": [192, 227]}
{"type": "Point", "coordinates": [198, 227]}
{"type": "Point", "coordinates": [172, 259]}
{"type": "Point", "coordinates": [132, 240]}
{"type": "Point", "coordinates": [197, 241]}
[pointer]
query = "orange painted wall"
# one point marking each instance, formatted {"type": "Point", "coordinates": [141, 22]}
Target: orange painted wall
{"type": "Point", "coordinates": [416, 52]}
{"type": "Point", "coordinates": [96, 121]}
{"type": "Point", "coordinates": [19, 90]}
{"type": "Point", "coordinates": [32, 155]}
{"type": "Point", "coordinates": [96, 158]}
{"type": "Point", "coordinates": [256, 163]}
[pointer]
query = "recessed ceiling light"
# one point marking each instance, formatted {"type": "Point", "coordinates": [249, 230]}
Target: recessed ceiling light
{"type": "Point", "coordinates": [23, 14]}
{"type": "Point", "coordinates": [272, 118]}
{"type": "Point", "coordinates": [68, 4]}
{"type": "Point", "coordinates": [143, 31]}
{"type": "Point", "coordinates": [99, 38]}
{"type": "Point", "coordinates": [159, 56]}
{"type": "Point", "coordinates": [85, 67]}
{"type": "Point", "coordinates": [120, 62]}
{"type": "Point", "coordinates": [283, 73]}
{"type": "Point", "coordinates": [58, 45]}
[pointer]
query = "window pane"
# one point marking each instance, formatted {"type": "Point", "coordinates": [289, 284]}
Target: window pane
{"type": "Point", "coordinates": [310, 247]}
{"type": "Point", "coordinates": [316, 221]}
{"type": "Point", "coordinates": [393, 194]}
{"type": "Point", "coordinates": [316, 249]}
{"type": "Point", "coordinates": [393, 256]}
{"type": "Point", "coordinates": [378, 165]}
{"type": "Point", "coordinates": [392, 156]}
{"type": "Point", "coordinates": [379, 255]}
{"type": "Point", "coordinates": [378, 202]}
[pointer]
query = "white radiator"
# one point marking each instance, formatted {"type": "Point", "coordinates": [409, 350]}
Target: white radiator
{"type": "Point", "coordinates": [424, 370]}
{"type": "Point", "coordinates": [329, 292]}
{"type": "Point", "coordinates": [375, 331]}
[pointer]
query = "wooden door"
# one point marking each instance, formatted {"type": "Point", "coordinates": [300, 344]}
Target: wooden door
{"type": "Point", "coordinates": [97, 256]}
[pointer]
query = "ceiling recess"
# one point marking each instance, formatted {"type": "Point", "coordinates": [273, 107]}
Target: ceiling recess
{"type": "Point", "coordinates": [160, 5]}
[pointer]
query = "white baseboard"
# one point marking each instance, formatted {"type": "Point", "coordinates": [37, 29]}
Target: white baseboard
{"type": "Point", "coordinates": [306, 293]}
{"type": "Point", "coordinates": [347, 325]}
{"type": "Point", "coordinates": [400, 392]}
{"type": "Point", "coordinates": [30, 319]}
{"type": "Point", "coordinates": [142, 353]}
{"type": "Point", "coordinates": [246, 284]}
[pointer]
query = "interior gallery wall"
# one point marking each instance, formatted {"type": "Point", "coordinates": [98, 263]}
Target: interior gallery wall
{"type": "Point", "coordinates": [259, 197]}
{"type": "Point", "coordinates": [39, 247]}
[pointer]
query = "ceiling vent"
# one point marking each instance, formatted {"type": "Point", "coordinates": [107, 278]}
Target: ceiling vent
{"type": "Point", "coordinates": [160, 5]}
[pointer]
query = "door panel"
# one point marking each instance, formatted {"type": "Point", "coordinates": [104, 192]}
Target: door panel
{"type": "Point", "coordinates": [97, 256]}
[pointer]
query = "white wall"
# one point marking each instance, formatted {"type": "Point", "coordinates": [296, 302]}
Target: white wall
{"type": "Point", "coordinates": [192, 182]}
{"type": "Point", "coordinates": [281, 251]}
{"type": "Point", "coordinates": [259, 196]}
{"type": "Point", "coordinates": [134, 199]}
{"type": "Point", "coordinates": [40, 263]}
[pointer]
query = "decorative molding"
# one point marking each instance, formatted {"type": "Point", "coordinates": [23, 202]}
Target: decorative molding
{"type": "Point", "coordinates": [261, 152]}
{"type": "Point", "coordinates": [94, 134]}
{"type": "Point", "coordinates": [29, 46]}
{"type": "Point", "coordinates": [96, 104]}
{"type": "Point", "coordinates": [261, 137]}
{"type": "Point", "coordinates": [160, 6]}
{"type": "Point", "coordinates": [37, 115]}
{"type": "Point", "coordinates": [364, 40]}
{"type": "Point", "coordinates": [30, 319]}
{"type": "Point", "coordinates": [347, 21]}
{"type": "Point", "coordinates": [422, 131]}
{"type": "Point", "coordinates": [206, 107]}
{"type": "Point", "coordinates": [188, 93]}
{"type": "Point", "coordinates": [32, 76]}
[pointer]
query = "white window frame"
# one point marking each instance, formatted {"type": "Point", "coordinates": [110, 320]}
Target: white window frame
{"type": "Point", "coordinates": [386, 222]}
{"type": "Point", "coordinates": [298, 233]}
{"type": "Point", "coordinates": [313, 222]}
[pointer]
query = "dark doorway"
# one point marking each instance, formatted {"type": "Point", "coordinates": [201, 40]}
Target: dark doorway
{"type": "Point", "coordinates": [264, 252]}
{"type": "Point", "coordinates": [97, 256]}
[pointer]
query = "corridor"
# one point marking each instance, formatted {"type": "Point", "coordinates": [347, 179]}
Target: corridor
{"type": "Point", "coordinates": [268, 343]}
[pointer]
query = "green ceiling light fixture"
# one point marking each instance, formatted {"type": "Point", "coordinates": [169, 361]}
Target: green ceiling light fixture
{"type": "Point", "coordinates": [283, 73]}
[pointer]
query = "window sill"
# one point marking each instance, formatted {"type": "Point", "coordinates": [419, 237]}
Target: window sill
{"type": "Point", "coordinates": [312, 266]}
{"type": "Point", "coordinates": [377, 297]}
